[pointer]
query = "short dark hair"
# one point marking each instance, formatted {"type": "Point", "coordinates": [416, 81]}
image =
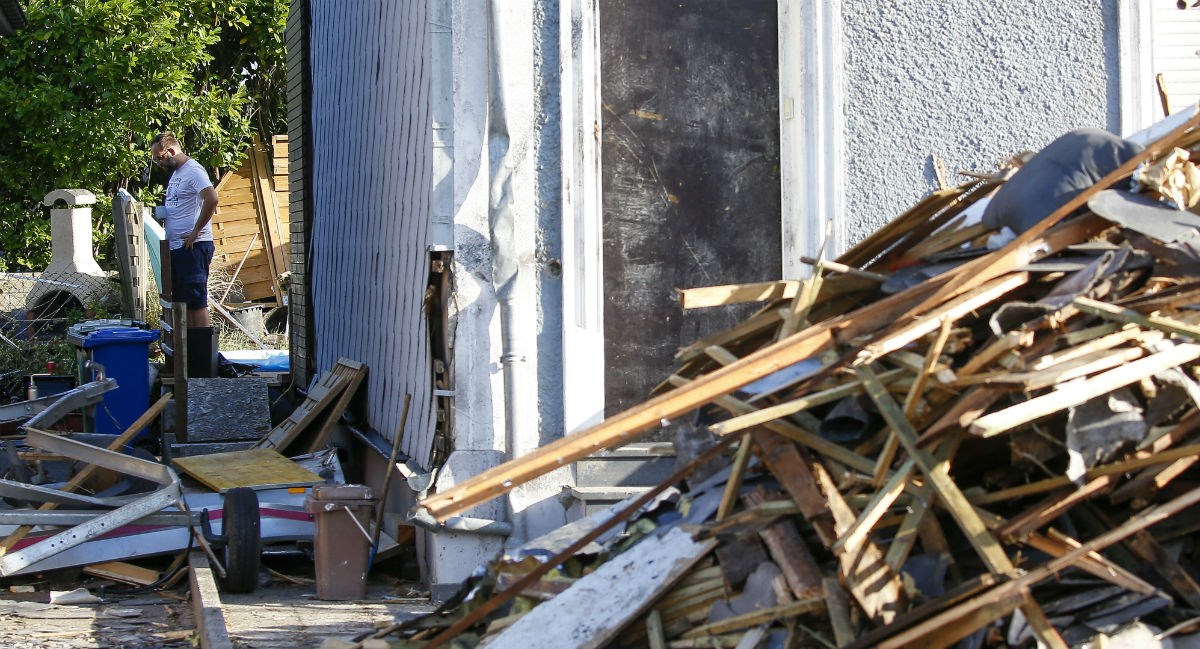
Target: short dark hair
{"type": "Point", "coordinates": [166, 141]}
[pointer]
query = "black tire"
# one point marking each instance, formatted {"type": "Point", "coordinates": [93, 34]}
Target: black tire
{"type": "Point", "coordinates": [243, 541]}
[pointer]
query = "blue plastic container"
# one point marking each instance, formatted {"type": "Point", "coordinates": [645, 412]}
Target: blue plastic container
{"type": "Point", "coordinates": [124, 353]}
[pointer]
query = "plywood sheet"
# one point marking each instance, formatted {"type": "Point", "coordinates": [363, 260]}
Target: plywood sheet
{"type": "Point", "coordinates": [259, 467]}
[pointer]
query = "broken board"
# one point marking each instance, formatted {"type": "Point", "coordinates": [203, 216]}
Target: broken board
{"type": "Point", "coordinates": [599, 605]}
{"type": "Point", "coordinates": [331, 385]}
{"type": "Point", "coordinates": [258, 467]}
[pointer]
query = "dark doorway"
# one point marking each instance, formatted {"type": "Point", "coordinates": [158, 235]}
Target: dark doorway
{"type": "Point", "coordinates": [690, 160]}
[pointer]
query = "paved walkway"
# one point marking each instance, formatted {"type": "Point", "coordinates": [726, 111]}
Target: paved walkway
{"type": "Point", "coordinates": [280, 615]}
{"type": "Point", "coordinates": [290, 617]}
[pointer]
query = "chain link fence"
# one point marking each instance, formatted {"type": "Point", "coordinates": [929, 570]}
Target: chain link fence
{"type": "Point", "coordinates": [36, 310]}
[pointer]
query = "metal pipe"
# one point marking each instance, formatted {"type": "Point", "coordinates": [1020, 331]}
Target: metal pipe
{"type": "Point", "coordinates": [460, 524]}
{"type": "Point", "coordinates": [511, 249]}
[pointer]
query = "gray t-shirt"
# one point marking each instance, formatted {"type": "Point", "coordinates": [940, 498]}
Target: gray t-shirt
{"type": "Point", "coordinates": [184, 203]}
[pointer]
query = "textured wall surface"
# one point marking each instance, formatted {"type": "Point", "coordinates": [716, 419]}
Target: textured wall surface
{"type": "Point", "coordinates": [371, 180]}
{"type": "Point", "coordinates": [972, 83]}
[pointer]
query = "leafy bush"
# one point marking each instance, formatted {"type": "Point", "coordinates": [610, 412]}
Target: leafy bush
{"type": "Point", "coordinates": [89, 82]}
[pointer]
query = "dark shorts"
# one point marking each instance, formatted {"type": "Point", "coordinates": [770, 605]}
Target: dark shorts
{"type": "Point", "coordinates": [189, 274]}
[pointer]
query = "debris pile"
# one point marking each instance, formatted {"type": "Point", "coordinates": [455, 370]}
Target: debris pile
{"type": "Point", "coordinates": [926, 443]}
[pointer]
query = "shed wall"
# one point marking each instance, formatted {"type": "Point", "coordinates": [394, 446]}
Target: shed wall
{"type": "Point", "coordinates": [371, 179]}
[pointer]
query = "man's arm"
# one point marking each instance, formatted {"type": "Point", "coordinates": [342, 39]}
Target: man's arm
{"type": "Point", "coordinates": [209, 197]}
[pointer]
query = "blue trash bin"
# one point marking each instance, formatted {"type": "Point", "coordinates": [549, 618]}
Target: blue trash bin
{"type": "Point", "coordinates": [124, 354]}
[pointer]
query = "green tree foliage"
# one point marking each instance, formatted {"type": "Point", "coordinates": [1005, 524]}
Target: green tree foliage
{"type": "Point", "coordinates": [88, 83]}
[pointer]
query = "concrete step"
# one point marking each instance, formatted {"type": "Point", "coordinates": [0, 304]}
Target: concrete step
{"type": "Point", "coordinates": [633, 465]}
{"type": "Point", "coordinates": [592, 499]}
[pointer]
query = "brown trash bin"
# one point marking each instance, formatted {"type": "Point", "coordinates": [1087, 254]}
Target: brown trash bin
{"type": "Point", "coordinates": [343, 544]}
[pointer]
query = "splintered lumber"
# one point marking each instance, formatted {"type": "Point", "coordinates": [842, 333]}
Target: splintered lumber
{"type": "Point", "coordinates": [952, 310]}
{"type": "Point", "coordinates": [353, 373]}
{"type": "Point", "coordinates": [346, 375]}
{"type": "Point", "coordinates": [938, 474]}
{"type": "Point", "coordinates": [623, 427]}
{"type": "Point", "coordinates": [872, 583]}
{"type": "Point", "coordinates": [783, 541]}
{"type": "Point", "coordinates": [961, 620]}
{"type": "Point", "coordinates": [1075, 393]}
{"type": "Point", "coordinates": [601, 603]}
{"type": "Point", "coordinates": [1073, 311]}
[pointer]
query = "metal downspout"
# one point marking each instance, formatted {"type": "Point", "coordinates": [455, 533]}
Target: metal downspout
{"type": "Point", "coordinates": [508, 250]}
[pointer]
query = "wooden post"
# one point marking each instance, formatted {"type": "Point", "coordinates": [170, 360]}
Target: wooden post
{"type": "Point", "coordinates": [179, 323]}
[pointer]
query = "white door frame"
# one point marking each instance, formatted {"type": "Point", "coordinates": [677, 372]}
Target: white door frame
{"type": "Point", "coordinates": [1136, 82]}
{"type": "Point", "coordinates": [811, 133]}
{"type": "Point", "coordinates": [582, 233]}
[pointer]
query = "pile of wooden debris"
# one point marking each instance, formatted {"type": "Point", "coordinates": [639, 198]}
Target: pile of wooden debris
{"type": "Point", "coordinates": [934, 443]}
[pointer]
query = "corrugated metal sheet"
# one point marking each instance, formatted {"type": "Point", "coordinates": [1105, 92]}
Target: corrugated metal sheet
{"type": "Point", "coordinates": [1177, 52]}
{"type": "Point", "coordinates": [371, 185]}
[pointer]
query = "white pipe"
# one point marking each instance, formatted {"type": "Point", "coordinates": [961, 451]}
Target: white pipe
{"type": "Point", "coordinates": [511, 246]}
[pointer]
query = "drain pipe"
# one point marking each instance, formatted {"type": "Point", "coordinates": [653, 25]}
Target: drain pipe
{"type": "Point", "coordinates": [461, 524]}
{"type": "Point", "coordinates": [511, 245]}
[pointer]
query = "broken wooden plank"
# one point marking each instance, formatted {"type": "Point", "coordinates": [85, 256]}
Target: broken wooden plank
{"type": "Point", "coordinates": [872, 583]}
{"type": "Point", "coordinates": [327, 388]}
{"type": "Point", "coordinates": [788, 550]}
{"type": "Point", "coordinates": [599, 605]}
{"type": "Point", "coordinates": [1082, 390]}
{"type": "Point", "coordinates": [709, 296]}
{"type": "Point", "coordinates": [353, 373]}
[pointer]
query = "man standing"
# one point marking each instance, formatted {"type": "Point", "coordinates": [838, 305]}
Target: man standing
{"type": "Point", "coordinates": [191, 201]}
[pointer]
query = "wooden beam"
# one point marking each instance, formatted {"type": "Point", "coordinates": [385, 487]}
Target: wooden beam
{"type": "Point", "coordinates": [1080, 391]}
{"type": "Point", "coordinates": [709, 296]}
{"type": "Point", "coordinates": [872, 583]}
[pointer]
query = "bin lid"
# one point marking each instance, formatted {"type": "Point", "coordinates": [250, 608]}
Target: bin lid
{"type": "Point", "coordinates": [341, 492]}
{"type": "Point", "coordinates": [110, 335]}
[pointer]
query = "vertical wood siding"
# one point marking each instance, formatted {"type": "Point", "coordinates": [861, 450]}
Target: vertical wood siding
{"type": "Point", "coordinates": [371, 175]}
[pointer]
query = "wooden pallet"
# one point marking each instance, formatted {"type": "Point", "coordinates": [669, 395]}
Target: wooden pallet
{"type": "Point", "coordinates": [335, 388]}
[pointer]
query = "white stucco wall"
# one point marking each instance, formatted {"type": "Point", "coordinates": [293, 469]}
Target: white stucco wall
{"type": "Point", "coordinates": [972, 83]}
{"type": "Point", "coordinates": [496, 189]}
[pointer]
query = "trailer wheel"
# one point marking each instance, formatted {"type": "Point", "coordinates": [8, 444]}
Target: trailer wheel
{"type": "Point", "coordinates": [243, 542]}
